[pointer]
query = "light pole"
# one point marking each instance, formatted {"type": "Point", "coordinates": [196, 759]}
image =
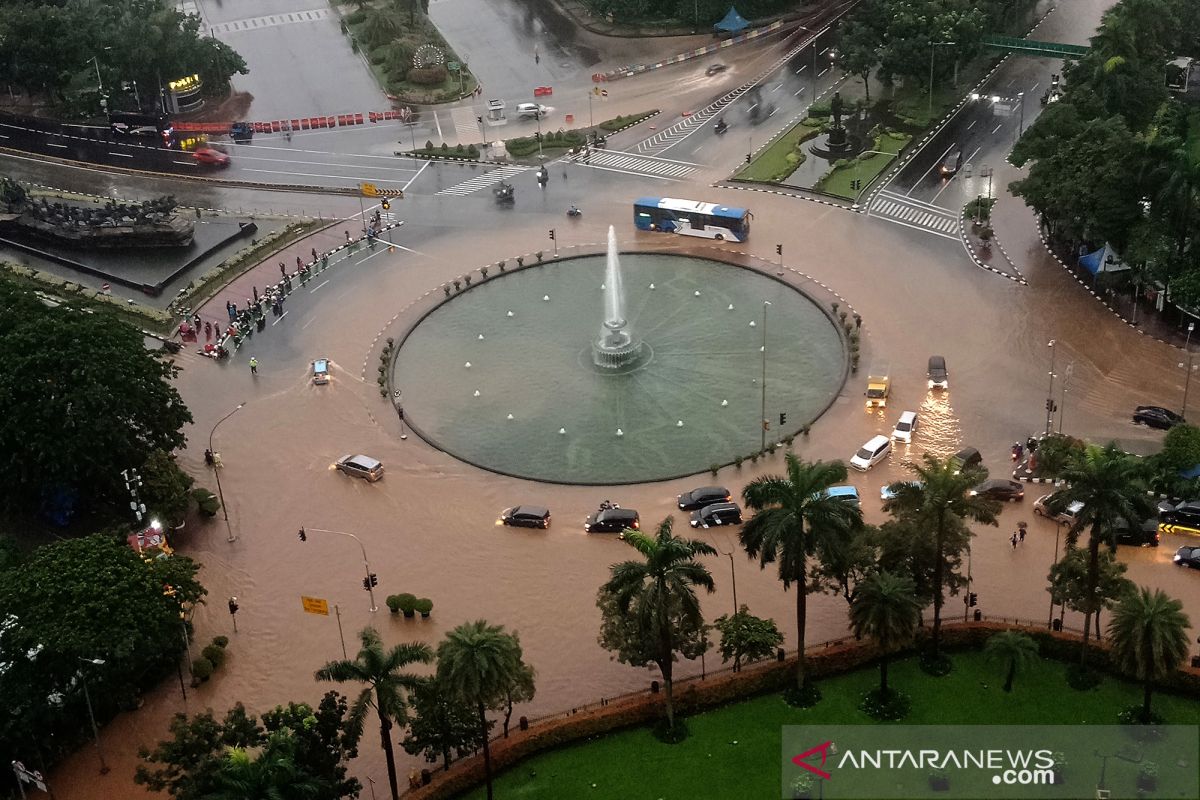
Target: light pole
{"type": "Point", "coordinates": [96, 63]}
{"type": "Point", "coordinates": [1062, 405]}
{"type": "Point", "coordinates": [538, 117]}
{"type": "Point", "coordinates": [733, 580]}
{"type": "Point", "coordinates": [816, 35]}
{"type": "Point", "coordinates": [933, 49]}
{"type": "Point", "coordinates": [1050, 390]}
{"type": "Point", "coordinates": [1187, 346]}
{"type": "Point", "coordinates": [1058, 526]}
{"type": "Point", "coordinates": [99, 662]}
{"type": "Point", "coordinates": [764, 377]}
{"type": "Point", "coordinates": [368, 583]}
{"type": "Point", "coordinates": [217, 471]}
{"type": "Point", "coordinates": [1021, 124]}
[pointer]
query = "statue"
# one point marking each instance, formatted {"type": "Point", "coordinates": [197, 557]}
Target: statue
{"type": "Point", "coordinates": [837, 134]}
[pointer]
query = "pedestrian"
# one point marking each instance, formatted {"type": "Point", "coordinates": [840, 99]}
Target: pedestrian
{"type": "Point", "coordinates": [256, 294]}
{"type": "Point", "coordinates": [1016, 449]}
{"type": "Point", "coordinates": [1020, 452]}
{"type": "Point", "coordinates": [253, 365]}
{"type": "Point", "coordinates": [299, 264]}
{"type": "Point", "coordinates": [282, 269]}
{"type": "Point", "coordinates": [1014, 541]}
{"type": "Point", "coordinates": [1031, 444]}
{"type": "Point", "coordinates": [207, 331]}
{"type": "Point", "coordinates": [217, 461]}
{"type": "Point", "coordinates": [229, 310]}
{"type": "Point", "coordinates": [233, 312]}
{"type": "Point", "coordinates": [208, 457]}
{"type": "Point", "coordinates": [314, 255]}
{"type": "Point", "coordinates": [347, 237]}
{"type": "Point", "coordinates": [1021, 531]}
{"type": "Point", "coordinates": [196, 320]}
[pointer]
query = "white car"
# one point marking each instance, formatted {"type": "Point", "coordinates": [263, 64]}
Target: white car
{"type": "Point", "coordinates": [906, 426]}
{"type": "Point", "coordinates": [531, 111]}
{"type": "Point", "coordinates": [871, 453]}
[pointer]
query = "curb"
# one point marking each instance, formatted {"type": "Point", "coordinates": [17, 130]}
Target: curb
{"type": "Point", "coordinates": [962, 235]}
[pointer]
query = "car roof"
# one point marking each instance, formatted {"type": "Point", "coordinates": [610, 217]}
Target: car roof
{"type": "Point", "coordinates": [362, 461]}
{"type": "Point", "coordinates": [966, 454]}
{"type": "Point", "coordinates": [990, 482]}
{"type": "Point", "coordinates": [709, 490]}
{"type": "Point", "coordinates": [617, 513]}
{"type": "Point", "coordinates": [937, 361]}
{"type": "Point", "coordinates": [719, 507]}
{"type": "Point", "coordinates": [533, 511]}
{"type": "Point", "coordinates": [907, 415]}
{"type": "Point", "coordinates": [842, 491]}
{"type": "Point", "coordinates": [875, 441]}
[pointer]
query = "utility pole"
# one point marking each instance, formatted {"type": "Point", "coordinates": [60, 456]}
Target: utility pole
{"type": "Point", "coordinates": [765, 423]}
{"type": "Point", "coordinates": [368, 581]}
{"type": "Point", "coordinates": [217, 471]}
{"type": "Point", "coordinates": [1062, 406]}
{"type": "Point", "coordinates": [1050, 391]}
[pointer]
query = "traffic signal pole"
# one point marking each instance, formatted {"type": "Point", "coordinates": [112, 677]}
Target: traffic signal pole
{"type": "Point", "coordinates": [369, 579]}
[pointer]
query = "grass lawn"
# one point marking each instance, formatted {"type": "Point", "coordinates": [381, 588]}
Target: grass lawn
{"type": "Point", "coordinates": [734, 752]}
{"type": "Point", "coordinates": [772, 164]}
{"type": "Point", "coordinates": [837, 181]}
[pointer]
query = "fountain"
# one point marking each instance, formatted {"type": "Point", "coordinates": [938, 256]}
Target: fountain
{"type": "Point", "coordinates": [616, 347]}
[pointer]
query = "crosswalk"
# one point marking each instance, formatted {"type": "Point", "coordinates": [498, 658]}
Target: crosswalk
{"type": "Point", "coordinates": [270, 21]}
{"type": "Point", "coordinates": [466, 126]}
{"type": "Point", "coordinates": [914, 214]}
{"type": "Point", "coordinates": [485, 180]}
{"type": "Point", "coordinates": [637, 164]}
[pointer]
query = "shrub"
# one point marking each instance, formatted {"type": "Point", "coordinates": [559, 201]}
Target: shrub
{"type": "Point", "coordinates": [427, 76]}
{"type": "Point", "coordinates": [214, 654]}
{"type": "Point", "coordinates": [407, 603]}
{"type": "Point", "coordinates": [206, 501]}
{"type": "Point", "coordinates": [393, 603]}
{"type": "Point", "coordinates": [472, 151]}
{"type": "Point", "coordinates": [714, 468]}
{"type": "Point", "coordinates": [428, 144]}
{"type": "Point", "coordinates": [356, 17]}
{"type": "Point", "coordinates": [221, 641]}
{"type": "Point", "coordinates": [737, 462]}
{"type": "Point", "coordinates": [459, 148]}
{"type": "Point", "coordinates": [820, 110]}
{"type": "Point", "coordinates": [423, 606]}
{"type": "Point", "coordinates": [202, 670]}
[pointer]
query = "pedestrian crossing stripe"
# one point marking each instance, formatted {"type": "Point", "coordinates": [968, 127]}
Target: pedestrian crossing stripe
{"type": "Point", "coordinates": [1164, 528]}
{"type": "Point", "coordinates": [925, 219]}
{"type": "Point", "coordinates": [484, 181]}
{"type": "Point", "coordinates": [636, 163]}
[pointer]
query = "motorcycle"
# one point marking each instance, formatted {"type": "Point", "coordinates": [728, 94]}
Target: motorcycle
{"type": "Point", "coordinates": [720, 127]}
{"type": "Point", "coordinates": [574, 212]}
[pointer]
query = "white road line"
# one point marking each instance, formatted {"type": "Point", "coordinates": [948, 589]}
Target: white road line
{"type": "Point", "coordinates": [773, 110]}
{"type": "Point", "coordinates": [185, 163]}
{"type": "Point", "coordinates": [317, 175]}
{"type": "Point", "coordinates": [2, 136]}
{"type": "Point", "coordinates": [932, 167]}
{"type": "Point", "coordinates": [998, 127]}
{"type": "Point", "coordinates": [972, 125]}
{"type": "Point", "coordinates": [438, 122]}
{"type": "Point", "coordinates": [121, 155]}
{"type": "Point", "coordinates": [1033, 88]}
{"type": "Point", "coordinates": [822, 72]}
{"type": "Point", "coordinates": [52, 144]}
{"type": "Point", "coordinates": [753, 107]}
{"type": "Point", "coordinates": [917, 227]}
{"type": "Point", "coordinates": [972, 156]}
{"type": "Point", "coordinates": [318, 286]}
{"type": "Point", "coordinates": [1010, 83]}
{"type": "Point", "coordinates": [777, 87]}
{"type": "Point", "coordinates": [823, 52]}
{"type": "Point", "coordinates": [281, 316]}
{"type": "Point", "coordinates": [414, 177]}
{"type": "Point", "coordinates": [802, 69]}
{"type": "Point", "coordinates": [797, 92]}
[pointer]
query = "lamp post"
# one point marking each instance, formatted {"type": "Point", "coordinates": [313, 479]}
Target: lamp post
{"type": "Point", "coordinates": [96, 63]}
{"type": "Point", "coordinates": [816, 35]}
{"type": "Point", "coordinates": [933, 49]}
{"type": "Point", "coordinates": [1021, 124]}
{"type": "Point", "coordinates": [1050, 390]}
{"type": "Point", "coordinates": [764, 377]}
{"type": "Point", "coordinates": [733, 580]}
{"type": "Point", "coordinates": [1187, 380]}
{"type": "Point", "coordinates": [366, 564]}
{"type": "Point", "coordinates": [99, 662]}
{"type": "Point", "coordinates": [1062, 405]}
{"type": "Point", "coordinates": [217, 471]}
{"type": "Point", "coordinates": [1058, 526]}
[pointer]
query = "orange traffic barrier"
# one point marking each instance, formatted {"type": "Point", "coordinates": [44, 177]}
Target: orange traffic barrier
{"type": "Point", "coordinates": [358, 119]}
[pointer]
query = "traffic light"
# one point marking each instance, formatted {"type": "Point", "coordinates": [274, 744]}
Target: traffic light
{"type": "Point", "coordinates": [400, 411]}
{"type": "Point", "coordinates": [552, 234]}
{"type": "Point", "coordinates": [480, 120]}
{"type": "Point", "coordinates": [538, 135]}
{"type": "Point", "coordinates": [1051, 406]}
{"type": "Point", "coordinates": [747, 158]}
{"type": "Point", "coordinates": [384, 204]}
{"type": "Point", "coordinates": [302, 535]}
{"type": "Point", "coordinates": [782, 418]}
{"type": "Point", "coordinates": [973, 599]}
{"type": "Point", "coordinates": [778, 249]}
{"type": "Point", "coordinates": [366, 584]}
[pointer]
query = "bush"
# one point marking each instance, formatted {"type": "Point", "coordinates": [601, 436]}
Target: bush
{"type": "Point", "coordinates": [202, 670]}
{"type": "Point", "coordinates": [393, 603]}
{"type": "Point", "coordinates": [214, 654]}
{"type": "Point", "coordinates": [423, 606]}
{"type": "Point", "coordinates": [427, 76]}
{"type": "Point", "coordinates": [221, 641]}
{"type": "Point", "coordinates": [407, 603]}
{"type": "Point", "coordinates": [206, 501]}
{"type": "Point", "coordinates": [356, 17]}
{"type": "Point", "coordinates": [820, 110]}
{"type": "Point", "coordinates": [472, 151]}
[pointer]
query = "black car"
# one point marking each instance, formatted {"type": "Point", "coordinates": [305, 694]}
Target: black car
{"type": "Point", "coordinates": [526, 517]}
{"type": "Point", "coordinates": [1156, 417]}
{"type": "Point", "coordinates": [1000, 489]}
{"type": "Point", "coordinates": [1188, 556]}
{"type": "Point", "coordinates": [1145, 535]}
{"type": "Point", "coordinates": [939, 378]}
{"type": "Point", "coordinates": [704, 496]}
{"type": "Point", "coordinates": [716, 515]}
{"type": "Point", "coordinates": [612, 520]}
{"type": "Point", "coordinates": [966, 458]}
{"type": "Point", "coordinates": [1186, 513]}
{"type": "Point", "coordinates": [952, 163]}
{"type": "Point", "coordinates": [714, 69]}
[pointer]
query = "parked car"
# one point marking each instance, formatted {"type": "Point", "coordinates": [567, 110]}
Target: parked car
{"type": "Point", "coordinates": [526, 517]}
{"type": "Point", "coordinates": [887, 491]}
{"type": "Point", "coordinates": [612, 520]}
{"type": "Point", "coordinates": [714, 69]}
{"type": "Point", "coordinates": [1046, 506]}
{"type": "Point", "coordinates": [1000, 489]}
{"type": "Point", "coordinates": [871, 453]}
{"type": "Point", "coordinates": [716, 515]}
{"type": "Point", "coordinates": [906, 426]}
{"type": "Point", "coordinates": [360, 466]}
{"type": "Point", "coordinates": [210, 156]}
{"type": "Point", "coordinates": [704, 496]}
{"type": "Point", "coordinates": [847, 493]}
{"type": "Point", "coordinates": [1188, 556]}
{"type": "Point", "coordinates": [939, 378]}
{"type": "Point", "coordinates": [965, 459]}
{"type": "Point", "coordinates": [1186, 513]}
{"type": "Point", "coordinates": [952, 163]}
{"type": "Point", "coordinates": [320, 371]}
{"type": "Point", "coordinates": [1143, 535]}
{"type": "Point", "coordinates": [1156, 417]}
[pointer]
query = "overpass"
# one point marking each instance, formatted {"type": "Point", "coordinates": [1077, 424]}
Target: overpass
{"type": "Point", "coordinates": [1034, 48]}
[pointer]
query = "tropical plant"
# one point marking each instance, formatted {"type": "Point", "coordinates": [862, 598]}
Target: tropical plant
{"type": "Point", "coordinates": [274, 774]}
{"type": "Point", "coordinates": [793, 513]}
{"type": "Point", "coordinates": [1148, 633]}
{"type": "Point", "coordinates": [745, 637]}
{"type": "Point", "coordinates": [442, 726]}
{"type": "Point", "coordinates": [1107, 482]}
{"type": "Point", "coordinates": [886, 610]}
{"type": "Point", "coordinates": [653, 595]}
{"type": "Point", "coordinates": [1016, 650]}
{"type": "Point", "coordinates": [937, 501]}
{"type": "Point", "coordinates": [478, 664]}
{"type": "Point", "coordinates": [387, 686]}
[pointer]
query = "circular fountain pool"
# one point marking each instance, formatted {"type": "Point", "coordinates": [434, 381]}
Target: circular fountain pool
{"type": "Point", "coordinates": [506, 374]}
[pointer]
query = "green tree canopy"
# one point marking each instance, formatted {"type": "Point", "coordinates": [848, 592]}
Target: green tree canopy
{"type": "Point", "coordinates": [441, 725]}
{"type": "Point", "coordinates": [745, 637]}
{"type": "Point", "coordinates": [887, 611]}
{"type": "Point", "coordinates": [1016, 650]}
{"type": "Point", "coordinates": [1149, 638]}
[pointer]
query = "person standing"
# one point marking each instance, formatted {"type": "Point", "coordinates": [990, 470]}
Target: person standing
{"type": "Point", "coordinates": [314, 255]}
{"type": "Point", "coordinates": [282, 269]}
{"type": "Point", "coordinates": [1014, 541]}
{"type": "Point", "coordinates": [254, 371]}
{"type": "Point", "coordinates": [207, 331]}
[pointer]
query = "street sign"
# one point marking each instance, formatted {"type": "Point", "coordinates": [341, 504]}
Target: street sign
{"type": "Point", "coordinates": [368, 190]}
{"type": "Point", "coordinates": [315, 605]}
{"type": "Point", "coordinates": [1162, 528]}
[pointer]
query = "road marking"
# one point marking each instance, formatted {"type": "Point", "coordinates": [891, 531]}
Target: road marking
{"type": "Point", "coordinates": [52, 144]}
{"type": "Point", "coordinates": [1033, 88]}
{"type": "Point", "coordinates": [2, 136]}
{"type": "Point", "coordinates": [121, 155]}
{"type": "Point", "coordinates": [972, 156]}
{"type": "Point", "coordinates": [932, 166]}
{"type": "Point", "coordinates": [822, 72]}
{"type": "Point", "coordinates": [185, 163]}
{"type": "Point", "coordinates": [802, 69]}
{"type": "Point", "coordinates": [797, 92]}
{"type": "Point", "coordinates": [777, 87]}
{"type": "Point", "coordinates": [1010, 83]}
{"type": "Point", "coordinates": [998, 127]}
{"type": "Point", "coordinates": [823, 52]}
{"type": "Point", "coordinates": [318, 286]}
{"type": "Point", "coordinates": [972, 125]}
{"type": "Point", "coordinates": [482, 181]}
{"type": "Point", "coordinates": [404, 188]}
{"type": "Point", "coordinates": [753, 107]}
{"type": "Point", "coordinates": [317, 175]}
{"type": "Point", "coordinates": [773, 110]}
{"type": "Point", "coordinates": [281, 316]}
{"type": "Point", "coordinates": [438, 122]}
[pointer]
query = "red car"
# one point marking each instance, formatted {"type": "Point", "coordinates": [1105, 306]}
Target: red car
{"type": "Point", "coordinates": [211, 157]}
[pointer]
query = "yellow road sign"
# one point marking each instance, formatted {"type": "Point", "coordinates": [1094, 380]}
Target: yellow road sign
{"type": "Point", "coordinates": [315, 605]}
{"type": "Point", "coordinates": [1164, 528]}
{"type": "Point", "coordinates": [368, 190]}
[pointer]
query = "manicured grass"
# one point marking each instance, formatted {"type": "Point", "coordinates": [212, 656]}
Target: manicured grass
{"type": "Point", "coordinates": [772, 164]}
{"type": "Point", "coordinates": [735, 751]}
{"type": "Point", "coordinates": [837, 181]}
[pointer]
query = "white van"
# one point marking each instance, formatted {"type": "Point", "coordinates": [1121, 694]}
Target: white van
{"type": "Point", "coordinates": [531, 111]}
{"type": "Point", "coordinates": [871, 453]}
{"type": "Point", "coordinates": [906, 426]}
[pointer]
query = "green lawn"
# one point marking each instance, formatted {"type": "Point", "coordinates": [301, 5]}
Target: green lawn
{"type": "Point", "coordinates": [772, 164]}
{"type": "Point", "coordinates": [734, 752]}
{"type": "Point", "coordinates": [837, 181]}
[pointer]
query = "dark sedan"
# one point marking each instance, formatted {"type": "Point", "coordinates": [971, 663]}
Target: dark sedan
{"type": "Point", "coordinates": [704, 496]}
{"type": "Point", "coordinates": [526, 517]}
{"type": "Point", "coordinates": [1188, 556]}
{"type": "Point", "coordinates": [1186, 513]}
{"type": "Point", "coordinates": [1000, 489]}
{"type": "Point", "coordinates": [1156, 417]}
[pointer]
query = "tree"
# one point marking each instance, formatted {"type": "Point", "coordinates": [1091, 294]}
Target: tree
{"type": "Point", "coordinates": [1069, 582]}
{"type": "Point", "coordinates": [938, 501]}
{"type": "Point", "coordinates": [1149, 639]}
{"type": "Point", "coordinates": [74, 424]}
{"type": "Point", "coordinates": [859, 39]}
{"type": "Point", "coordinates": [1016, 650]}
{"type": "Point", "coordinates": [906, 548]}
{"type": "Point", "coordinates": [441, 724]}
{"type": "Point", "coordinates": [887, 611]}
{"type": "Point", "coordinates": [521, 690]}
{"type": "Point", "coordinates": [745, 637]}
{"type": "Point", "coordinates": [165, 488]}
{"type": "Point", "coordinates": [843, 562]}
{"type": "Point", "coordinates": [793, 513]}
{"type": "Point", "coordinates": [1181, 448]}
{"type": "Point", "coordinates": [1107, 482]}
{"type": "Point", "coordinates": [478, 664]}
{"type": "Point", "coordinates": [275, 774]}
{"type": "Point", "coordinates": [654, 592]}
{"type": "Point", "coordinates": [387, 686]}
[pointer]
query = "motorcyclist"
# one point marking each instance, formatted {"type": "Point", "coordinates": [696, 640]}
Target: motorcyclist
{"type": "Point", "coordinates": [573, 212]}
{"type": "Point", "coordinates": [720, 126]}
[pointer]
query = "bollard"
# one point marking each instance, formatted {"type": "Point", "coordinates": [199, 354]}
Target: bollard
{"type": "Point", "coordinates": [653, 687]}
{"type": "Point", "coordinates": [523, 722]}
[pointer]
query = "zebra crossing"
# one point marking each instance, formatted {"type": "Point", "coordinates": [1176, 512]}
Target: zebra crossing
{"type": "Point", "coordinates": [485, 180]}
{"type": "Point", "coordinates": [914, 214]}
{"type": "Point", "coordinates": [253, 23]}
{"type": "Point", "coordinates": [466, 126]}
{"type": "Point", "coordinates": [637, 164]}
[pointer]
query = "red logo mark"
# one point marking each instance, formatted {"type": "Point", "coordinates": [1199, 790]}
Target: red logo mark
{"type": "Point", "coordinates": [800, 761]}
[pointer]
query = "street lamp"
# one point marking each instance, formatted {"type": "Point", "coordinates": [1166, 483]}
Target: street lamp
{"type": "Point", "coordinates": [932, 50]}
{"type": "Point", "coordinates": [217, 472]}
{"type": "Point", "coordinates": [764, 377]}
{"type": "Point", "coordinates": [99, 662]}
{"type": "Point", "coordinates": [367, 582]}
{"type": "Point", "coordinates": [1062, 406]}
{"type": "Point", "coordinates": [1021, 124]}
{"type": "Point", "coordinates": [1058, 526]}
{"type": "Point", "coordinates": [816, 36]}
{"type": "Point", "coordinates": [1187, 346]}
{"type": "Point", "coordinates": [1050, 390]}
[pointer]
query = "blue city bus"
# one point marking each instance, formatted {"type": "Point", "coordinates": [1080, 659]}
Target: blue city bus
{"type": "Point", "coordinates": [691, 218]}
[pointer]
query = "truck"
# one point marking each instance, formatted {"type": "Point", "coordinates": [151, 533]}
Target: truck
{"type": "Point", "coordinates": [879, 384]}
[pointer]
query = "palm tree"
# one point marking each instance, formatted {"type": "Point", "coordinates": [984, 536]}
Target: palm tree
{"type": "Point", "coordinates": [886, 609]}
{"type": "Point", "coordinates": [1149, 639]}
{"type": "Point", "coordinates": [939, 498]}
{"type": "Point", "coordinates": [793, 513]}
{"type": "Point", "coordinates": [659, 590]}
{"type": "Point", "coordinates": [274, 775]}
{"type": "Point", "coordinates": [479, 663]}
{"type": "Point", "coordinates": [1108, 484]}
{"type": "Point", "coordinates": [1017, 650]}
{"type": "Point", "coordinates": [387, 686]}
